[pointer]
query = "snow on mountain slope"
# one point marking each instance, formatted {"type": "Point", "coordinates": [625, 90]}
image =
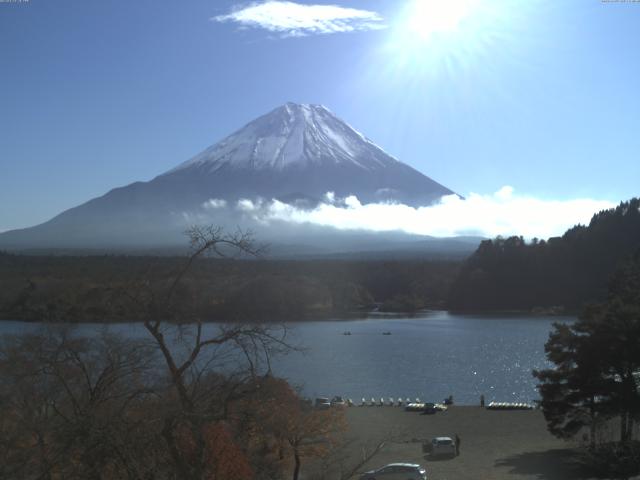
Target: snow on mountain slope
{"type": "Point", "coordinates": [292, 135]}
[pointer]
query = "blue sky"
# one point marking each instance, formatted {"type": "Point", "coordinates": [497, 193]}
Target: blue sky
{"type": "Point", "coordinates": [541, 96]}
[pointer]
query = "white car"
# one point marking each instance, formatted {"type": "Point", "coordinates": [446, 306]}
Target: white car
{"type": "Point", "coordinates": [443, 447]}
{"type": "Point", "coordinates": [397, 471]}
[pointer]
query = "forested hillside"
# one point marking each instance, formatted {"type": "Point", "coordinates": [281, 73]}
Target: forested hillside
{"type": "Point", "coordinates": [96, 288]}
{"type": "Point", "coordinates": [561, 274]}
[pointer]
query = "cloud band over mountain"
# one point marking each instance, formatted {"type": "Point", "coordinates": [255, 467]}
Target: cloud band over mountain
{"type": "Point", "coordinates": [501, 213]}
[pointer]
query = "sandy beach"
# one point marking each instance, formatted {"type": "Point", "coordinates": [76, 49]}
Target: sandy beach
{"type": "Point", "coordinates": [494, 444]}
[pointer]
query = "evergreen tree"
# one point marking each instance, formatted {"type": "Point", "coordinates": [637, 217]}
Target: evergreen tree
{"type": "Point", "coordinates": [567, 271]}
{"type": "Point", "coordinates": [571, 391]}
{"type": "Point", "coordinates": [597, 363]}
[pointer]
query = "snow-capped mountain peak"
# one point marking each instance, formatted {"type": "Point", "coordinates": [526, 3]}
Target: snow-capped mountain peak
{"type": "Point", "coordinates": [292, 136]}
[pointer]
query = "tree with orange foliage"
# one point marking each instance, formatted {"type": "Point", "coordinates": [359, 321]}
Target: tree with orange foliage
{"type": "Point", "coordinates": [295, 426]}
{"type": "Point", "coordinates": [225, 459]}
{"type": "Point", "coordinates": [311, 433]}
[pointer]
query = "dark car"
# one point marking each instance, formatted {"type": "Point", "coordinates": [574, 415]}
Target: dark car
{"type": "Point", "coordinates": [429, 409]}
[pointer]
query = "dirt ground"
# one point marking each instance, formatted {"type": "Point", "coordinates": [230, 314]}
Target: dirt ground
{"type": "Point", "coordinates": [512, 445]}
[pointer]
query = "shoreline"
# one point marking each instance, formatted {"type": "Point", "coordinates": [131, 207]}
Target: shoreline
{"type": "Point", "coordinates": [337, 316]}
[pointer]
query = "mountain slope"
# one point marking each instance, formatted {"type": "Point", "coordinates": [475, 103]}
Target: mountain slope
{"type": "Point", "coordinates": [295, 153]}
{"type": "Point", "coordinates": [300, 135]}
{"type": "Point", "coordinates": [306, 151]}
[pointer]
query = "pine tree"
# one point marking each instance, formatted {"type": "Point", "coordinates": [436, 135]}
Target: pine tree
{"type": "Point", "coordinates": [597, 363]}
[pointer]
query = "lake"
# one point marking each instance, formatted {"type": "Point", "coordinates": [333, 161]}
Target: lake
{"type": "Point", "coordinates": [431, 356]}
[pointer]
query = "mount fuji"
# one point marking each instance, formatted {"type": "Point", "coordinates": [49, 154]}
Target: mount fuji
{"type": "Point", "coordinates": [296, 154]}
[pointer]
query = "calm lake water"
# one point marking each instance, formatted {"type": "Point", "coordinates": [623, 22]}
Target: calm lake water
{"type": "Point", "coordinates": [430, 356]}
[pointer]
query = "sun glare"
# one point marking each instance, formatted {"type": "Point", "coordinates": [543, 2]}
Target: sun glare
{"type": "Point", "coordinates": [427, 17]}
{"type": "Point", "coordinates": [438, 36]}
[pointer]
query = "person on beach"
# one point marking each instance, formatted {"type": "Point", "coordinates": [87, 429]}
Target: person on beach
{"type": "Point", "coordinates": [457, 445]}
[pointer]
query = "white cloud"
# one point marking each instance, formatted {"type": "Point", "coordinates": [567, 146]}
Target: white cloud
{"type": "Point", "coordinates": [502, 213]}
{"type": "Point", "coordinates": [330, 197]}
{"type": "Point", "coordinates": [292, 19]}
{"type": "Point", "coordinates": [247, 205]}
{"type": "Point", "coordinates": [214, 203]}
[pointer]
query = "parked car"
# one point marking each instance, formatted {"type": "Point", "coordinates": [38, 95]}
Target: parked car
{"type": "Point", "coordinates": [429, 409]}
{"type": "Point", "coordinates": [322, 403]}
{"type": "Point", "coordinates": [414, 407]}
{"type": "Point", "coordinates": [338, 401]}
{"type": "Point", "coordinates": [443, 447]}
{"type": "Point", "coordinates": [397, 471]}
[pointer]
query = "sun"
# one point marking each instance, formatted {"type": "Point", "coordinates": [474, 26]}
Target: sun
{"type": "Point", "coordinates": [426, 18]}
{"type": "Point", "coordinates": [429, 35]}
{"type": "Point", "coordinates": [444, 49]}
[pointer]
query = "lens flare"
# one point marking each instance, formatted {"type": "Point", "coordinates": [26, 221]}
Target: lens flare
{"type": "Point", "coordinates": [425, 18]}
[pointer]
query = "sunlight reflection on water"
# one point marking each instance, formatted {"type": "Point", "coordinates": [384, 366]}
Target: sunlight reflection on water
{"type": "Point", "coordinates": [430, 356]}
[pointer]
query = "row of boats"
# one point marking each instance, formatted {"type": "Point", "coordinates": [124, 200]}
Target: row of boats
{"type": "Point", "coordinates": [416, 406]}
{"type": "Point", "coordinates": [509, 406]}
{"type": "Point", "coordinates": [390, 402]}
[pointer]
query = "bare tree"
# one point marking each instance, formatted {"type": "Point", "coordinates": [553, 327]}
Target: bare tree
{"type": "Point", "coordinates": [170, 406]}
{"type": "Point", "coordinates": [208, 367]}
{"type": "Point", "coordinates": [71, 407]}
